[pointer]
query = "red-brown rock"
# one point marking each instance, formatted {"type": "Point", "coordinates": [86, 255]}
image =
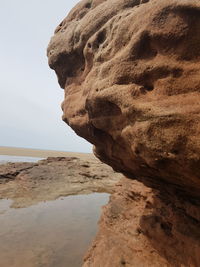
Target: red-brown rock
{"type": "Point", "coordinates": [141, 227]}
{"type": "Point", "coordinates": [132, 88]}
{"type": "Point", "coordinates": [130, 70]}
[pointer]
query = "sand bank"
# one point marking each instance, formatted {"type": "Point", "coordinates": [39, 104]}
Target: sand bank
{"type": "Point", "coordinates": [17, 151]}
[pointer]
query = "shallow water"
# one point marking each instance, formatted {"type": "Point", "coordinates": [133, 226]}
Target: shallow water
{"type": "Point", "coordinates": [5, 158]}
{"type": "Point", "coordinates": [49, 234]}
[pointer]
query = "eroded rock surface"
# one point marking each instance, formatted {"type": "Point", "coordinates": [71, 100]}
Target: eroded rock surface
{"type": "Point", "coordinates": [130, 70]}
{"type": "Point", "coordinates": [29, 183]}
{"type": "Point", "coordinates": [142, 227]}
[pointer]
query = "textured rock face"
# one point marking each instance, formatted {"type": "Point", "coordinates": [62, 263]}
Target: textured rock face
{"type": "Point", "coordinates": [130, 70]}
{"type": "Point", "coordinates": [141, 227]}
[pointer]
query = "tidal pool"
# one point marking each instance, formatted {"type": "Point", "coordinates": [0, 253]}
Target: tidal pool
{"type": "Point", "coordinates": [50, 234]}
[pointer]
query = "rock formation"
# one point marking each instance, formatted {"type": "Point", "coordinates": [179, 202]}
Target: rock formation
{"type": "Point", "coordinates": [143, 227]}
{"type": "Point", "coordinates": [130, 70]}
{"type": "Point", "coordinates": [29, 183]}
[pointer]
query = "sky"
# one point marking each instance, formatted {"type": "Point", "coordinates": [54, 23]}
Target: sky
{"type": "Point", "coordinates": [30, 97]}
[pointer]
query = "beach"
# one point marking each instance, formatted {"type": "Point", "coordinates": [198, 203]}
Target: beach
{"type": "Point", "coordinates": [18, 151]}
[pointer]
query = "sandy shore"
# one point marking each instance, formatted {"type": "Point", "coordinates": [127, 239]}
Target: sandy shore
{"type": "Point", "coordinates": [15, 151]}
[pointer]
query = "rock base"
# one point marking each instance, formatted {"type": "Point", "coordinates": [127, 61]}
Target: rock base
{"type": "Point", "coordinates": [142, 227]}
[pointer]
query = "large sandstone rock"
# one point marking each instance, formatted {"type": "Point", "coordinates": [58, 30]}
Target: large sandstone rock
{"type": "Point", "coordinates": [141, 227]}
{"type": "Point", "coordinates": [130, 70]}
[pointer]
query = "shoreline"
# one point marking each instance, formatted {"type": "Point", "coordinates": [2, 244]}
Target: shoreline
{"type": "Point", "coordinates": [39, 153]}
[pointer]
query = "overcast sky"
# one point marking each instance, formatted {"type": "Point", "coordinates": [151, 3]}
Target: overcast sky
{"type": "Point", "coordinates": [30, 97]}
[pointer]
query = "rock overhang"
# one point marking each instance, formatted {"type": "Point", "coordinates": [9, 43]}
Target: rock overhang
{"type": "Point", "coordinates": [130, 70]}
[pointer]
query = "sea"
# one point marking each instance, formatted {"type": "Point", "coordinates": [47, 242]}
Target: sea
{"type": "Point", "coordinates": [8, 158]}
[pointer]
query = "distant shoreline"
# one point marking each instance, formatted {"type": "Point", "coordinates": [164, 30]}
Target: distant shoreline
{"type": "Point", "coordinates": [39, 153]}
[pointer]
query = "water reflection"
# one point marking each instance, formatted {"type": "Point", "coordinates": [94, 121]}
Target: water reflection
{"type": "Point", "coordinates": [8, 158]}
{"type": "Point", "coordinates": [50, 234]}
